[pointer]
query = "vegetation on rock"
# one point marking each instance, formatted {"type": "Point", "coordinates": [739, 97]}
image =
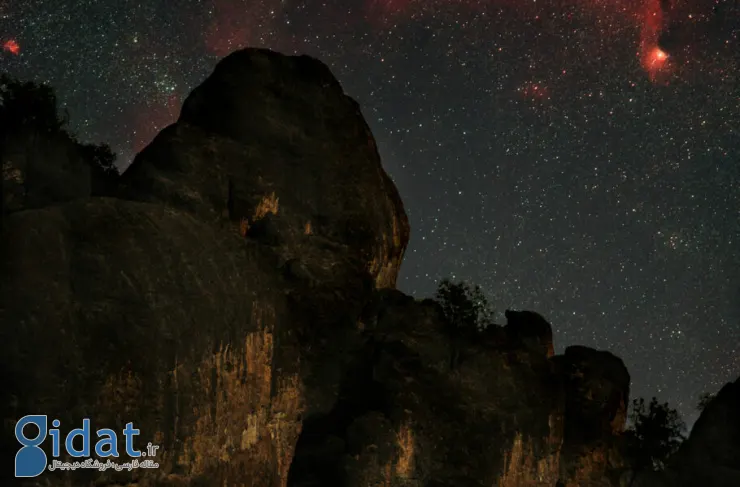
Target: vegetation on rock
{"type": "Point", "coordinates": [466, 312]}
{"type": "Point", "coordinates": [32, 107]}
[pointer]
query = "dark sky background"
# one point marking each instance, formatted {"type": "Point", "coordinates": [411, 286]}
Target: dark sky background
{"type": "Point", "coordinates": [578, 158]}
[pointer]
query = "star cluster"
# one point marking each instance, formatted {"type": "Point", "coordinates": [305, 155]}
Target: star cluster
{"type": "Point", "coordinates": [578, 158]}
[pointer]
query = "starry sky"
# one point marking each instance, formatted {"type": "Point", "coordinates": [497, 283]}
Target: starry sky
{"type": "Point", "coordinates": [579, 158]}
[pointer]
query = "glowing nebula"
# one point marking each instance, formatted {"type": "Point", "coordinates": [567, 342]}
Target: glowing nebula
{"type": "Point", "coordinates": [647, 15]}
{"type": "Point", "coordinates": [12, 47]}
{"type": "Point", "coordinates": [653, 59]}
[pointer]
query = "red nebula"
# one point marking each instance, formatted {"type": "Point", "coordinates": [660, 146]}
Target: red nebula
{"type": "Point", "coordinates": [12, 47]}
{"type": "Point", "coordinates": [609, 15]}
{"type": "Point", "coordinates": [653, 59]}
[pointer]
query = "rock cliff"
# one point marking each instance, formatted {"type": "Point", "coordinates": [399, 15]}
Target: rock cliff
{"type": "Point", "coordinates": [235, 299]}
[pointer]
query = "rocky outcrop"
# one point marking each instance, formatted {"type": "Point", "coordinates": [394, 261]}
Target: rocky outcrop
{"type": "Point", "coordinates": [530, 330]}
{"type": "Point", "coordinates": [214, 302]}
{"type": "Point", "coordinates": [273, 136]}
{"type": "Point", "coordinates": [236, 301]}
{"type": "Point", "coordinates": [596, 385]}
{"type": "Point", "coordinates": [497, 420]}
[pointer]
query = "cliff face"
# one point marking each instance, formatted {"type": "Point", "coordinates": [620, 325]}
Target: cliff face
{"type": "Point", "coordinates": [236, 301]}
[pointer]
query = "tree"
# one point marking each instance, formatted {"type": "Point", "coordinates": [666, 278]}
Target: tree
{"type": "Point", "coordinates": [103, 169]}
{"type": "Point", "coordinates": [704, 400]}
{"type": "Point", "coordinates": [466, 312]}
{"type": "Point", "coordinates": [655, 434]}
{"type": "Point", "coordinates": [28, 106]}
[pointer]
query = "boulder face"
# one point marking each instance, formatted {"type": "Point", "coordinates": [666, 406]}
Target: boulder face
{"type": "Point", "coordinates": [598, 391]}
{"type": "Point", "coordinates": [235, 300]}
{"type": "Point", "coordinates": [403, 418]}
{"type": "Point", "coordinates": [214, 300]}
{"type": "Point", "coordinates": [596, 387]}
{"type": "Point", "coordinates": [531, 330]}
{"type": "Point", "coordinates": [273, 135]}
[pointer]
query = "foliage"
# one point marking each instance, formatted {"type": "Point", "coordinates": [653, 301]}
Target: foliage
{"type": "Point", "coordinates": [704, 400]}
{"type": "Point", "coordinates": [27, 104]}
{"type": "Point", "coordinates": [655, 434]}
{"type": "Point", "coordinates": [30, 106]}
{"type": "Point", "coordinates": [464, 307]}
{"type": "Point", "coordinates": [466, 311]}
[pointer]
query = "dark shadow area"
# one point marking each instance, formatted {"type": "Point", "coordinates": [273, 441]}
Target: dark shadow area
{"type": "Point", "coordinates": [322, 445]}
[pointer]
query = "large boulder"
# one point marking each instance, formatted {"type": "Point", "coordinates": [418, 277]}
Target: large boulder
{"type": "Point", "coordinates": [596, 387]}
{"type": "Point", "coordinates": [529, 330]}
{"type": "Point", "coordinates": [268, 134]}
{"type": "Point", "coordinates": [214, 302]}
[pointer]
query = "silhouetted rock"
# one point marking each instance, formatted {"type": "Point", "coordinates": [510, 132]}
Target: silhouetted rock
{"type": "Point", "coordinates": [267, 133]}
{"type": "Point", "coordinates": [598, 391]}
{"type": "Point", "coordinates": [530, 330]}
{"type": "Point", "coordinates": [597, 397]}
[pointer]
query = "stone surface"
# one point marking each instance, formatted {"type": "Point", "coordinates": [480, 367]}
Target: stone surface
{"type": "Point", "coordinates": [272, 134]}
{"type": "Point", "coordinates": [531, 330]}
{"type": "Point", "coordinates": [596, 385]}
{"type": "Point", "coordinates": [172, 306]}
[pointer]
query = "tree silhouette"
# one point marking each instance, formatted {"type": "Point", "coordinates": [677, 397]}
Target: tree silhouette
{"type": "Point", "coordinates": [704, 400]}
{"type": "Point", "coordinates": [102, 162]}
{"type": "Point", "coordinates": [655, 434]}
{"type": "Point", "coordinates": [466, 312]}
{"type": "Point", "coordinates": [28, 106]}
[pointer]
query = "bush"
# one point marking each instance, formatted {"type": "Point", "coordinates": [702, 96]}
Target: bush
{"type": "Point", "coordinates": [28, 105]}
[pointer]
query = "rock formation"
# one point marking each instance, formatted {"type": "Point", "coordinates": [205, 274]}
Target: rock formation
{"type": "Point", "coordinates": [236, 300]}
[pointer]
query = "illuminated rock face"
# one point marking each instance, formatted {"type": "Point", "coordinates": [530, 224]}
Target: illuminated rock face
{"type": "Point", "coordinates": [235, 300]}
{"type": "Point", "coordinates": [214, 299]}
{"type": "Point", "coordinates": [273, 135]}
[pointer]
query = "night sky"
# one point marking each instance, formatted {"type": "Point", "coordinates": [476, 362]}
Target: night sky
{"type": "Point", "coordinates": [579, 158]}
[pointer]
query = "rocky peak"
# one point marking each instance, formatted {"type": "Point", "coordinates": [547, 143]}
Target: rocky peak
{"type": "Point", "coordinates": [268, 135]}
